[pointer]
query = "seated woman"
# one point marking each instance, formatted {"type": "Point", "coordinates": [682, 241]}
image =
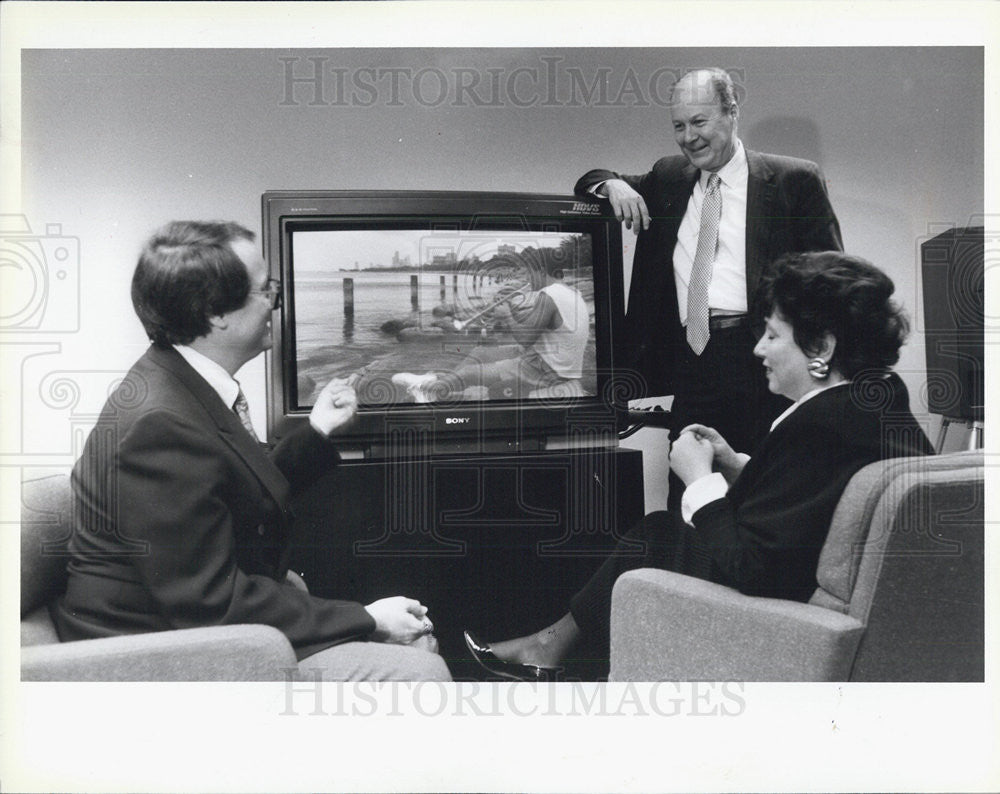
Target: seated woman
{"type": "Point", "coordinates": [758, 524]}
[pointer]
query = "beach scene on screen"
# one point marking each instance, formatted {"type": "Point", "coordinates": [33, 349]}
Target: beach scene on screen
{"type": "Point", "coordinates": [371, 303]}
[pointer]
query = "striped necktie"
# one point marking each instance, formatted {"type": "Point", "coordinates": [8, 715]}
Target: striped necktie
{"type": "Point", "coordinates": [701, 270]}
{"type": "Point", "coordinates": [242, 409]}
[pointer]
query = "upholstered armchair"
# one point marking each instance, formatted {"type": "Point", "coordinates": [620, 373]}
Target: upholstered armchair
{"type": "Point", "coordinates": [900, 595]}
{"type": "Point", "coordinates": [218, 653]}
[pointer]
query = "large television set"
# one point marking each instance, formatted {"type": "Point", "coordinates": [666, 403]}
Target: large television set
{"type": "Point", "coordinates": [438, 307]}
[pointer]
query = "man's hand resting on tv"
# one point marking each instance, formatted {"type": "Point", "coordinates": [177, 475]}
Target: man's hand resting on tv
{"type": "Point", "coordinates": [626, 203]}
{"type": "Point", "coordinates": [400, 620]}
{"type": "Point", "coordinates": [335, 406]}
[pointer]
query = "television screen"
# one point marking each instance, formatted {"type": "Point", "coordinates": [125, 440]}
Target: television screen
{"type": "Point", "coordinates": [418, 315]}
{"type": "Point", "coordinates": [476, 314]}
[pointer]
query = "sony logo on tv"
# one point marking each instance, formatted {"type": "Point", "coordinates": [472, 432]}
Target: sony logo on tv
{"type": "Point", "coordinates": [457, 420]}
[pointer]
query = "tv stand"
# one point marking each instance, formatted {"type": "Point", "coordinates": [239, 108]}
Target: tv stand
{"type": "Point", "coordinates": [493, 542]}
{"type": "Point", "coordinates": [455, 448]}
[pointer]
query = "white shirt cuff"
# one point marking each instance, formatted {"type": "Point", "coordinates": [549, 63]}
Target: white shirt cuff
{"type": "Point", "coordinates": [699, 493]}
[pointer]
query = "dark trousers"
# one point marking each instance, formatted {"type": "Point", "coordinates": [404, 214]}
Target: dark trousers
{"type": "Point", "coordinates": [662, 534]}
{"type": "Point", "coordinates": [724, 388]}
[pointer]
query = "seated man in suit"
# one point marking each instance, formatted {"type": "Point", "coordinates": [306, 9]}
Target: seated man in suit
{"type": "Point", "coordinates": [709, 221]}
{"type": "Point", "coordinates": [181, 516]}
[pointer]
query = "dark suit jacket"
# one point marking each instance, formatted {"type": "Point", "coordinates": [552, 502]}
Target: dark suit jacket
{"type": "Point", "coordinates": [182, 519]}
{"type": "Point", "coordinates": [788, 210]}
{"type": "Point", "coordinates": [764, 537]}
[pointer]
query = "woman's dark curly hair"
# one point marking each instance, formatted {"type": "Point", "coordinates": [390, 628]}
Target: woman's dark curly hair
{"type": "Point", "coordinates": [831, 292]}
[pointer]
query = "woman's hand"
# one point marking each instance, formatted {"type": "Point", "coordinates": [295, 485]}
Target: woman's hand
{"type": "Point", "coordinates": [399, 620]}
{"type": "Point", "coordinates": [727, 461]}
{"type": "Point", "coordinates": [691, 457]}
{"type": "Point", "coordinates": [335, 406]}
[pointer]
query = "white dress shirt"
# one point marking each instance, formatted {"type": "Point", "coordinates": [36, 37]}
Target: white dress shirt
{"type": "Point", "coordinates": [713, 486]}
{"type": "Point", "coordinates": [224, 384]}
{"type": "Point", "coordinates": [728, 288]}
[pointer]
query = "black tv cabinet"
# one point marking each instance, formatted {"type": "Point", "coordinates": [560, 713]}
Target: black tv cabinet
{"type": "Point", "coordinates": [498, 543]}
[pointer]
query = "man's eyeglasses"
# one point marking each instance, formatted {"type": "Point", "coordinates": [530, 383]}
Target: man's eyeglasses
{"type": "Point", "coordinates": [272, 291]}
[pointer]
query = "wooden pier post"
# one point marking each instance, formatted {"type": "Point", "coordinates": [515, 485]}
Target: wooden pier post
{"type": "Point", "coordinates": [348, 297]}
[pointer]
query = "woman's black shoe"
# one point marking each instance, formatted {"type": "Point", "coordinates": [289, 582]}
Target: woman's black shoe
{"type": "Point", "coordinates": [512, 670]}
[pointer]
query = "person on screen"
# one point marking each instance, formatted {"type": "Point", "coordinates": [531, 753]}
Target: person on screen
{"type": "Point", "coordinates": [708, 221]}
{"type": "Point", "coordinates": [182, 518]}
{"type": "Point", "coordinates": [758, 523]}
{"type": "Point", "coordinates": [553, 329]}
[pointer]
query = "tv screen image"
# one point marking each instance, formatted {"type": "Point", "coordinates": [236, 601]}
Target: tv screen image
{"type": "Point", "coordinates": [483, 319]}
{"type": "Point", "coordinates": [446, 306]}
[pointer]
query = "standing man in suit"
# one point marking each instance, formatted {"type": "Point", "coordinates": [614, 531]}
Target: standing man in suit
{"type": "Point", "coordinates": [708, 222]}
{"type": "Point", "coordinates": [182, 518]}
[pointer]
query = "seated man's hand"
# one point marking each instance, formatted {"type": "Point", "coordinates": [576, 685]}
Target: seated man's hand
{"type": "Point", "coordinates": [335, 406]}
{"type": "Point", "coordinates": [400, 620]}
{"type": "Point", "coordinates": [627, 204]}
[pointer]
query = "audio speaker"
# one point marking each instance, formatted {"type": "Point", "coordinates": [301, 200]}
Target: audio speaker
{"type": "Point", "coordinates": [952, 269]}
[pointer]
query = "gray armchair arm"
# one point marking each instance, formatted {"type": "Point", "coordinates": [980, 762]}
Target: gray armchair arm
{"type": "Point", "coordinates": [216, 653]}
{"type": "Point", "coordinates": [670, 627]}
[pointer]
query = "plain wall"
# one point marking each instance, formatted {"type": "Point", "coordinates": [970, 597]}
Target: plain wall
{"type": "Point", "coordinates": [116, 142]}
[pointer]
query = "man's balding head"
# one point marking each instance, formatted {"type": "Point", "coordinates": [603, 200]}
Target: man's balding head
{"type": "Point", "coordinates": [704, 113]}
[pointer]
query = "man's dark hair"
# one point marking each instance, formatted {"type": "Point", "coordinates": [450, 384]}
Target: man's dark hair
{"type": "Point", "coordinates": [831, 292]}
{"type": "Point", "coordinates": [188, 273]}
